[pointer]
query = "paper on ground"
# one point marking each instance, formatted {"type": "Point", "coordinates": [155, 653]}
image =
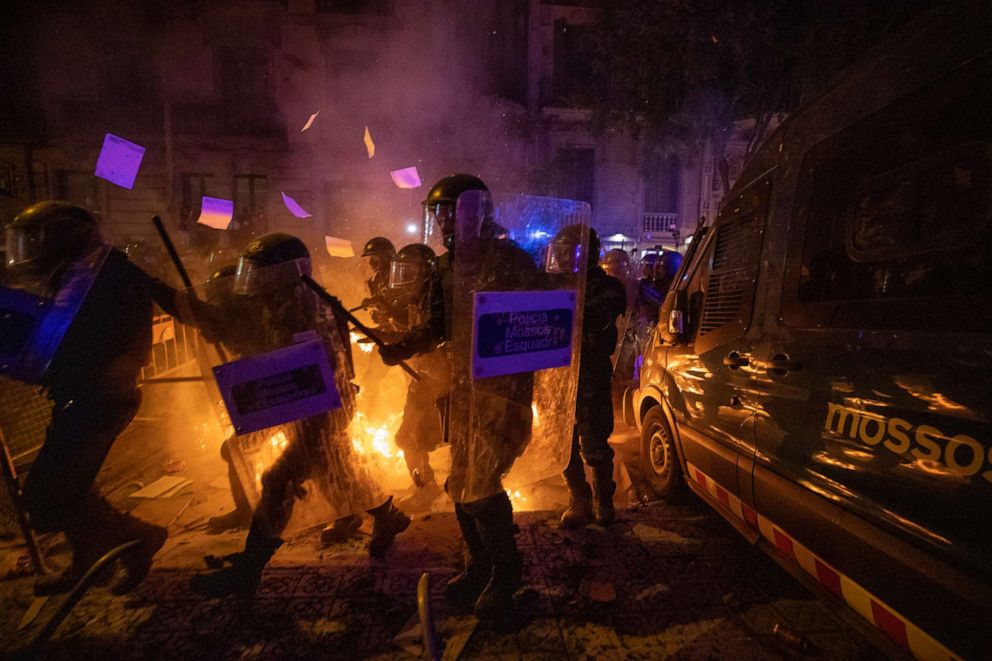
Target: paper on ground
{"type": "Point", "coordinates": [176, 489]}
{"type": "Point", "coordinates": [369, 145]}
{"type": "Point", "coordinates": [32, 612]}
{"type": "Point", "coordinates": [294, 207]}
{"type": "Point", "coordinates": [406, 178]}
{"type": "Point", "coordinates": [309, 122]}
{"type": "Point", "coordinates": [162, 485]}
{"type": "Point", "coordinates": [119, 161]}
{"type": "Point", "coordinates": [215, 212]}
{"type": "Point", "coordinates": [338, 247]}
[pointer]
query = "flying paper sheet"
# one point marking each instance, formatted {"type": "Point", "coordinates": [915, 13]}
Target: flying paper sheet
{"type": "Point", "coordinates": [309, 122]}
{"type": "Point", "coordinates": [119, 161]}
{"type": "Point", "coordinates": [338, 247]}
{"type": "Point", "coordinates": [369, 145]}
{"type": "Point", "coordinates": [406, 178]}
{"type": "Point", "coordinates": [294, 207]}
{"type": "Point", "coordinates": [216, 213]}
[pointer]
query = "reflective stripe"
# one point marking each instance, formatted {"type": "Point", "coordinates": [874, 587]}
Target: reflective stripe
{"type": "Point", "coordinates": [895, 626]}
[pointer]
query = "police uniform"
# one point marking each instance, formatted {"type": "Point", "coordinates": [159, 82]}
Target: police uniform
{"type": "Point", "coordinates": [318, 447]}
{"type": "Point", "coordinates": [483, 452]}
{"type": "Point", "coordinates": [606, 299]}
{"type": "Point", "coordinates": [92, 383]}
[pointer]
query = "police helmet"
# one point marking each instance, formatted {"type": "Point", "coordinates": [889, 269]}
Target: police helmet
{"type": "Point", "coordinates": [378, 244]}
{"type": "Point", "coordinates": [412, 266]}
{"type": "Point", "coordinates": [568, 254]}
{"type": "Point", "coordinates": [439, 205]}
{"type": "Point", "coordinates": [47, 234]}
{"type": "Point", "coordinates": [616, 262]}
{"type": "Point", "coordinates": [380, 252]}
{"type": "Point", "coordinates": [272, 261]}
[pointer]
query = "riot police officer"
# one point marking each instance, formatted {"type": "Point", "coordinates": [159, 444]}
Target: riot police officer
{"type": "Point", "coordinates": [318, 446]}
{"type": "Point", "coordinates": [480, 456]}
{"type": "Point", "coordinates": [605, 301]}
{"type": "Point", "coordinates": [91, 381]}
{"type": "Point", "coordinates": [380, 252]}
{"type": "Point", "coordinates": [420, 430]}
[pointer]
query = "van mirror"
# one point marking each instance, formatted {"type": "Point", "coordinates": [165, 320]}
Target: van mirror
{"type": "Point", "coordinates": [673, 316]}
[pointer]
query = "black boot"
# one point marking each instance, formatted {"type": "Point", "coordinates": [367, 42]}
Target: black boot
{"type": "Point", "coordinates": [341, 530]}
{"type": "Point", "coordinates": [463, 590]}
{"type": "Point", "coordinates": [99, 528]}
{"type": "Point", "coordinates": [494, 517]}
{"type": "Point", "coordinates": [138, 563]}
{"type": "Point", "coordinates": [604, 487]}
{"type": "Point", "coordinates": [85, 551]}
{"type": "Point", "coordinates": [241, 579]}
{"type": "Point", "coordinates": [387, 522]}
{"type": "Point", "coordinates": [579, 512]}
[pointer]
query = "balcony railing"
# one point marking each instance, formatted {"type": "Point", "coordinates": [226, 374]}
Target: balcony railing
{"type": "Point", "coordinates": [659, 222]}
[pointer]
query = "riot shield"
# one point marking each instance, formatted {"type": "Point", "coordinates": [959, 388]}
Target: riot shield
{"type": "Point", "coordinates": [33, 323]}
{"type": "Point", "coordinates": [283, 386]}
{"type": "Point", "coordinates": [514, 343]}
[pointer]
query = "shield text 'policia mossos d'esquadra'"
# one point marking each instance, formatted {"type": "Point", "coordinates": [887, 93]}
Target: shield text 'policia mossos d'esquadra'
{"type": "Point", "coordinates": [279, 386]}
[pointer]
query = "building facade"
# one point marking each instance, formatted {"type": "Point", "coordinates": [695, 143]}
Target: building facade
{"type": "Point", "coordinates": [218, 94]}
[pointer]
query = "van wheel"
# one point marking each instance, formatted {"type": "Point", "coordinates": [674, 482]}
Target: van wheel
{"type": "Point", "coordinates": [658, 457]}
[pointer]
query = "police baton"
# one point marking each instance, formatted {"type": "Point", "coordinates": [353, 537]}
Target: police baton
{"type": "Point", "coordinates": [183, 275]}
{"type": "Point", "coordinates": [336, 304]}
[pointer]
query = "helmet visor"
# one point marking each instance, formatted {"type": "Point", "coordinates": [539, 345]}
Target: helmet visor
{"type": "Point", "coordinates": [253, 278]}
{"type": "Point", "coordinates": [24, 245]}
{"type": "Point", "coordinates": [564, 257]}
{"type": "Point", "coordinates": [406, 274]}
{"type": "Point", "coordinates": [439, 219]}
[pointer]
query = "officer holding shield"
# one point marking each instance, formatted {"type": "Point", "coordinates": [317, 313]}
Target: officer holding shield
{"type": "Point", "coordinates": [489, 419]}
{"type": "Point", "coordinates": [55, 252]}
{"type": "Point", "coordinates": [317, 447]}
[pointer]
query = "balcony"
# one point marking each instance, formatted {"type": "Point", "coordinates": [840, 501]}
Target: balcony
{"type": "Point", "coordinates": [655, 223]}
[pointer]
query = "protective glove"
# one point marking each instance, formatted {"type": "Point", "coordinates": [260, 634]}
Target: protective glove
{"type": "Point", "coordinates": [392, 354]}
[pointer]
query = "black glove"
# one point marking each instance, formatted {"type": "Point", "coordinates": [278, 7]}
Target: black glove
{"type": "Point", "coordinates": [393, 354]}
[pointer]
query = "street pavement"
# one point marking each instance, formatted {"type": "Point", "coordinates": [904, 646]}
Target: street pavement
{"type": "Point", "coordinates": [664, 582]}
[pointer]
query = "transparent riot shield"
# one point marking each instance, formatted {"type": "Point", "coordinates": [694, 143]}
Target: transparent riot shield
{"type": "Point", "coordinates": [282, 377]}
{"type": "Point", "coordinates": [33, 322]}
{"type": "Point", "coordinates": [513, 343]}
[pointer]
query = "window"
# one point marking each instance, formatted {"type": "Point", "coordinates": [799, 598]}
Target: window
{"type": "Point", "coordinates": [572, 61]}
{"type": "Point", "coordinates": [906, 233]}
{"type": "Point", "coordinates": [720, 290]}
{"type": "Point", "coordinates": [245, 88]}
{"type": "Point", "coordinates": [508, 49]}
{"type": "Point", "coordinates": [130, 74]}
{"type": "Point", "coordinates": [194, 187]}
{"type": "Point", "coordinates": [250, 196]}
{"type": "Point", "coordinates": [893, 215]}
{"type": "Point", "coordinates": [662, 188]}
{"type": "Point", "coordinates": [577, 174]}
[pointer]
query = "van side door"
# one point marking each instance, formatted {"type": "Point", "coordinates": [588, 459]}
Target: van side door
{"type": "Point", "coordinates": [712, 370]}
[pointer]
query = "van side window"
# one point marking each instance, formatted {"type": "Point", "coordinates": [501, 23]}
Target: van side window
{"type": "Point", "coordinates": [892, 222]}
{"type": "Point", "coordinates": [909, 232]}
{"type": "Point", "coordinates": [721, 292]}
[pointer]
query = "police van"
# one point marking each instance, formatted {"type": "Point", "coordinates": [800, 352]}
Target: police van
{"type": "Point", "coordinates": [822, 369]}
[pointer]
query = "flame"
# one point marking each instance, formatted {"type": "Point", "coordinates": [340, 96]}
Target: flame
{"type": "Point", "coordinates": [517, 499]}
{"type": "Point", "coordinates": [355, 338]}
{"type": "Point", "coordinates": [279, 441]}
{"type": "Point", "coordinates": [376, 440]}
